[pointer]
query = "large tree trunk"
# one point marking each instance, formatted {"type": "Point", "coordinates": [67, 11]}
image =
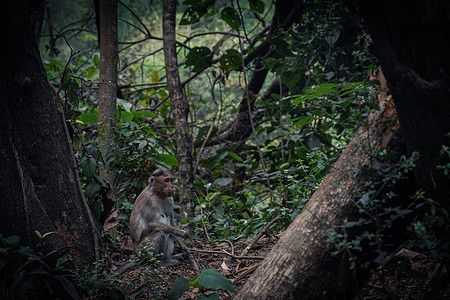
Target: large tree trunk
{"type": "Point", "coordinates": [107, 87]}
{"type": "Point", "coordinates": [301, 265]}
{"type": "Point", "coordinates": [39, 188]}
{"type": "Point", "coordinates": [180, 111]}
{"type": "Point", "coordinates": [411, 40]}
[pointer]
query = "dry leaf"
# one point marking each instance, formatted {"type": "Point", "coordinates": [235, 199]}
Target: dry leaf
{"type": "Point", "coordinates": [111, 221]}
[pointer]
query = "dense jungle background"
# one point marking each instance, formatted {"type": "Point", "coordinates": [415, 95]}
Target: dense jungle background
{"type": "Point", "coordinates": [309, 141]}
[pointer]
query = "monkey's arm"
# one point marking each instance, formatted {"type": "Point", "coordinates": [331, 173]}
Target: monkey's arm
{"type": "Point", "coordinates": [166, 229]}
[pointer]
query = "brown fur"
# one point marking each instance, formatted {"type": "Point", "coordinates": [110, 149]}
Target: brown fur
{"type": "Point", "coordinates": [152, 217]}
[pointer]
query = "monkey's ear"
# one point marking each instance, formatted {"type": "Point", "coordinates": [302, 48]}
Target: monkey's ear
{"type": "Point", "coordinates": [151, 181]}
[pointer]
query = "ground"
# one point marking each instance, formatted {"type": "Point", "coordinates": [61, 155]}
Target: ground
{"type": "Point", "coordinates": [407, 275]}
{"type": "Point", "coordinates": [153, 282]}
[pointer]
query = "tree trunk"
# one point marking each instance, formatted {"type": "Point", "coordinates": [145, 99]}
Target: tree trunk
{"type": "Point", "coordinates": [39, 187]}
{"type": "Point", "coordinates": [108, 87]}
{"type": "Point", "coordinates": [180, 111]}
{"type": "Point", "coordinates": [412, 45]}
{"type": "Point", "coordinates": [301, 264]}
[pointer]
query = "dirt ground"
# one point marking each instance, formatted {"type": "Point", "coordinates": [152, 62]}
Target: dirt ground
{"type": "Point", "coordinates": [408, 275]}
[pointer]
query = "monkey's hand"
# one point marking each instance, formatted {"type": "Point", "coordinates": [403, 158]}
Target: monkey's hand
{"type": "Point", "coordinates": [184, 234]}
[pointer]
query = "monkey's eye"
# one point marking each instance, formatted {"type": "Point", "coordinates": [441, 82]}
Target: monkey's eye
{"type": "Point", "coordinates": [168, 180]}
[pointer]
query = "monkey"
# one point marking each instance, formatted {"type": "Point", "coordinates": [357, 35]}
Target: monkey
{"type": "Point", "coordinates": [152, 219]}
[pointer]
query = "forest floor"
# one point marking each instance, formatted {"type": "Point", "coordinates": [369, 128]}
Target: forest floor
{"type": "Point", "coordinates": [407, 275]}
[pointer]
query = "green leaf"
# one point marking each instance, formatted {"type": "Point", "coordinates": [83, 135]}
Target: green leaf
{"type": "Point", "coordinates": [180, 286]}
{"type": "Point", "coordinates": [212, 279]}
{"type": "Point", "coordinates": [48, 233]}
{"type": "Point", "coordinates": [257, 6]}
{"type": "Point", "coordinates": [38, 234]}
{"type": "Point", "coordinates": [230, 16]}
{"type": "Point", "coordinates": [125, 104]}
{"type": "Point", "coordinates": [97, 208]}
{"type": "Point", "coordinates": [88, 118]}
{"type": "Point", "coordinates": [144, 114]}
{"type": "Point", "coordinates": [92, 190]}
{"type": "Point", "coordinates": [88, 166]}
{"type": "Point", "coordinates": [132, 73]}
{"type": "Point", "coordinates": [141, 144]}
{"type": "Point", "coordinates": [169, 160]}
{"type": "Point", "coordinates": [281, 46]}
{"type": "Point", "coordinates": [90, 72]}
{"type": "Point", "coordinates": [220, 156]}
{"type": "Point", "coordinates": [326, 89]}
{"type": "Point", "coordinates": [191, 15]}
{"type": "Point", "coordinates": [199, 58]}
{"type": "Point", "coordinates": [155, 76]}
{"type": "Point", "coordinates": [125, 116]}
{"type": "Point", "coordinates": [235, 156]}
{"type": "Point", "coordinates": [223, 181]}
{"type": "Point", "coordinates": [203, 132]}
{"type": "Point", "coordinates": [71, 87]}
{"type": "Point", "coordinates": [194, 282]}
{"type": "Point", "coordinates": [69, 287]}
{"type": "Point", "coordinates": [231, 60]}
{"type": "Point", "coordinates": [302, 121]}
{"type": "Point", "coordinates": [290, 78]}
{"type": "Point", "coordinates": [96, 59]}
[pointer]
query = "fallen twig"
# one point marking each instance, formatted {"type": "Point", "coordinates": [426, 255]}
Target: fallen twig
{"type": "Point", "coordinates": [246, 272]}
{"type": "Point", "coordinates": [227, 253]}
{"type": "Point", "coordinates": [255, 240]}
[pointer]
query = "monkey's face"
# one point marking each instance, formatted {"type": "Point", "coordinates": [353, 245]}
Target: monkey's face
{"type": "Point", "coordinates": [163, 184]}
{"type": "Point", "coordinates": [169, 188]}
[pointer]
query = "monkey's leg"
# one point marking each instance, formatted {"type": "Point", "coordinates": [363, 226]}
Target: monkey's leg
{"type": "Point", "coordinates": [158, 241]}
{"type": "Point", "coordinates": [169, 258]}
{"type": "Point", "coordinates": [169, 247]}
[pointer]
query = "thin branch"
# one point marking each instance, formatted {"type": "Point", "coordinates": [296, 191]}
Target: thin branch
{"type": "Point", "coordinates": [149, 86]}
{"type": "Point", "coordinates": [203, 222]}
{"type": "Point", "coordinates": [256, 239]}
{"type": "Point", "coordinates": [211, 126]}
{"type": "Point", "coordinates": [134, 26]}
{"type": "Point", "coordinates": [223, 252]}
{"type": "Point", "coordinates": [248, 95]}
{"type": "Point", "coordinates": [140, 58]}
{"type": "Point", "coordinates": [137, 18]}
{"type": "Point", "coordinates": [195, 75]}
{"type": "Point", "coordinates": [246, 272]}
{"type": "Point", "coordinates": [188, 38]}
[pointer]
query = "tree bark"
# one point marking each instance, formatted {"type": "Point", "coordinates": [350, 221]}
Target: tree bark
{"type": "Point", "coordinates": [39, 187]}
{"type": "Point", "coordinates": [107, 87]}
{"type": "Point", "coordinates": [301, 264]}
{"type": "Point", "coordinates": [412, 44]}
{"type": "Point", "coordinates": [180, 111]}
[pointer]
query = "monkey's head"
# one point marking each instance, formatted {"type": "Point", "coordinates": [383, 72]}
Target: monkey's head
{"type": "Point", "coordinates": [162, 182]}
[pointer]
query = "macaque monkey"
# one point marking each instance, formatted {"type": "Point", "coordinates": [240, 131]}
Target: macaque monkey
{"type": "Point", "coordinates": [152, 217]}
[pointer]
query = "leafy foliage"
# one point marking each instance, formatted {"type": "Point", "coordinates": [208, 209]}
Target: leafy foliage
{"type": "Point", "coordinates": [26, 273]}
{"type": "Point", "coordinates": [374, 213]}
{"type": "Point", "coordinates": [295, 137]}
{"type": "Point", "coordinates": [208, 279]}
